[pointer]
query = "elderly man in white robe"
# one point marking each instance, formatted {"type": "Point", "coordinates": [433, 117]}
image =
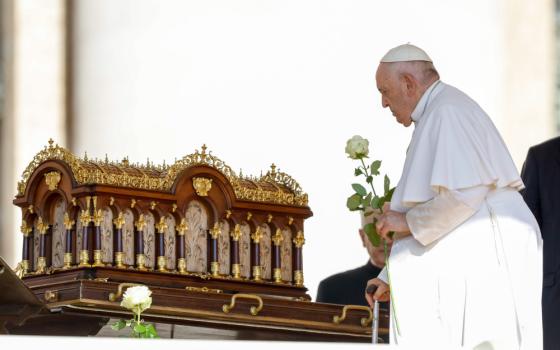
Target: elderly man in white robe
{"type": "Point", "coordinates": [466, 264]}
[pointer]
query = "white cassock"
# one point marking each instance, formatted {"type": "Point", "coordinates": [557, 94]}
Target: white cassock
{"type": "Point", "coordinates": [471, 272]}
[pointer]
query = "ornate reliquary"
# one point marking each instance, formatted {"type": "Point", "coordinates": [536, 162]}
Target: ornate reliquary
{"type": "Point", "coordinates": [199, 235]}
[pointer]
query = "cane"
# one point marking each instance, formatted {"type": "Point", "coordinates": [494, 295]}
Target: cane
{"type": "Point", "coordinates": [375, 324]}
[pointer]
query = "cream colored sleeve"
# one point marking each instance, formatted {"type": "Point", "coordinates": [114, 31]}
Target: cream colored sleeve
{"type": "Point", "coordinates": [435, 218]}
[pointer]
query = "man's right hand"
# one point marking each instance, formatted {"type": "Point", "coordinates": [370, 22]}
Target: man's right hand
{"type": "Point", "coordinates": [381, 294]}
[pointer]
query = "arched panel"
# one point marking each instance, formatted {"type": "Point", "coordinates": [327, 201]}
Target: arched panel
{"type": "Point", "coordinates": [79, 234]}
{"type": "Point", "coordinates": [195, 240]}
{"type": "Point", "coordinates": [266, 252]}
{"type": "Point", "coordinates": [149, 240]}
{"type": "Point", "coordinates": [223, 248]}
{"type": "Point", "coordinates": [107, 236]}
{"type": "Point", "coordinates": [58, 232]}
{"type": "Point", "coordinates": [128, 237]}
{"type": "Point", "coordinates": [245, 250]}
{"type": "Point", "coordinates": [286, 255]}
{"type": "Point", "coordinates": [169, 242]}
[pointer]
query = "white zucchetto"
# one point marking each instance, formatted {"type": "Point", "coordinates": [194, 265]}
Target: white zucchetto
{"type": "Point", "coordinates": [406, 53]}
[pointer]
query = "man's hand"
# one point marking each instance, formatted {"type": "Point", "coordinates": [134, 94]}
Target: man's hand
{"type": "Point", "coordinates": [392, 221]}
{"type": "Point", "coordinates": [381, 294]}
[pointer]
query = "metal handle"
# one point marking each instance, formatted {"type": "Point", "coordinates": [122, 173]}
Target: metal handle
{"type": "Point", "coordinates": [115, 297]}
{"type": "Point", "coordinates": [364, 321]}
{"type": "Point", "coordinates": [254, 309]}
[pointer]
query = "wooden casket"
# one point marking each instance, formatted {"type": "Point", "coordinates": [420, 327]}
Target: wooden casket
{"type": "Point", "coordinates": [222, 253]}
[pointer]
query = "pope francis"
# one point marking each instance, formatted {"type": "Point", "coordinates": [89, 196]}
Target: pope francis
{"type": "Point", "coordinates": [466, 264]}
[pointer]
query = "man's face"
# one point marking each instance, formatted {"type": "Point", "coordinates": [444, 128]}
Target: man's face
{"type": "Point", "coordinates": [395, 94]}
{"type": "Point", "coordinates": [376, 254]}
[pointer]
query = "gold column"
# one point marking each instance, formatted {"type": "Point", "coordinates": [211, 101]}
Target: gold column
{"type": "Point", "coordinates": [140, 256]}
{"type": "Point", "coordinates": [299, 241]}
{"type": "Point", "coordinates": [97, 253]}
{"type": "Point", "coordinates": [235, 266]}
{"type": "Point", "coordinates": [85, 219]}
{"type": "Point", "coordinates": [119, 254]}
{"type": "Point", "coordinates": [214, 263]}
{"type": "Point", "coordinates": [24, 264]}
{"type": "Point", "coordinates": [161, 227]}
{"type": "Point", "coordinates": [68, 224]}
{"type": "Point", "coordinates": [277, 241]}
{"type": "Point", "coordinates": [181, 261]}
{"type": "Point", "coordinates": [257, 268]}
{"type": "Point", "coordinates": [42, 227]}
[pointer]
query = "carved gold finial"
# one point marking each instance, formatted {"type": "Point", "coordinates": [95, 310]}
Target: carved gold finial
{"type": "Point", "coordinates": [204, 149]}
{"type": "Point", "coordinates": [249, 216]}
{"type": "Point", "coordinates": [269, 218]}
{"type": "Point", "coordinates": [273, 169]}
{"type": "Point", "coordinates": [42, 227]}
{"type": "Point", "coordinates": [153, 205]}
{"type": "Point", "coordinates": [119, 221]}
{"type": "Point", "coordinates": [68, 223]}
{"type": "Point", "coordinates": [132, 203]}
{"type": "Point", "coordinates": [125, 161]}
{"type": "Point", "coordinates": [215, 231]}
{"type": "Point", "coordinates": [228, 214]}
{"type": "Point", "coordinates": [202, 186]}
{"type": "Point", "coordinates": [174, 207]}
{"type": "Point", "coordinates": [52, 179]}
{"type": "Point", "coordinates": [141, 223]}
{"type": "Point", "coordinates": [26, 230]}
{"type": "Point", "coordinates": [98, 218]}
{"type": "Point", "coordinates": [277, 238]}
{"type": "Point", "coordinates": [236, 234]}
{"type": "Point", "coordinates": [290, 220]}
{"type": "Point", "coordinates": [257, 235]}
{"type": "Point", "coordinates": [299, 241]}
{"type": "Point", "coordinates": [162, 225]}
{"type": "Point", "coordinates": [111, 201]}
{"type": "Point", "coordinates": [51, 143]}
{"type": "Point", "coordinates": [183, 227]}
{"type": "Point", "coordinates": [85, 218]}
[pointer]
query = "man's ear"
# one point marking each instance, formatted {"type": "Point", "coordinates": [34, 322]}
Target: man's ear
{"type": "Point", "coordinates": [363, 237]}
{"type": "Point", "coordinates": [409, 82]}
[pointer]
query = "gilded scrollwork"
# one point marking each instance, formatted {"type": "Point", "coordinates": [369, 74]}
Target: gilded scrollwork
{"type": "Point", "coordinates": [273, 187]}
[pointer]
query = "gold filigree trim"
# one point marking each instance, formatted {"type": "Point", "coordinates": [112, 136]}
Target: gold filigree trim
{"type": "Point", "coordinates": [273, 187]}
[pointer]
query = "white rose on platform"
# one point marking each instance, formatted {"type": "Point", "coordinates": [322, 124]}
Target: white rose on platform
{"type": "Point", "coordinates": [137, 298]}
{"type": "Point", "coordinates": [357, 147]}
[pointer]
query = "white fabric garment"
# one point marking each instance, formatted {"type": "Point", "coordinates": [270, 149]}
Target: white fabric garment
{"type": "Point", "coordinates": [471, 273]}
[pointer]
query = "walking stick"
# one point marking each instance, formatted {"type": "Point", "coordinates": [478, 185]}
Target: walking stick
{"type": "Point", "coordinates": [375, 324]}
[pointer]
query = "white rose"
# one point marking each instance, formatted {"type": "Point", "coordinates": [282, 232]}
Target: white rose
{"type": "Point", "coordinates": [357, 147]}
{"type": "Point", "coordinates": [137, 298]}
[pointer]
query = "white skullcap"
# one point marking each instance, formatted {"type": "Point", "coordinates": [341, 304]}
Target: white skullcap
{"type": "Point", "coordinates": [406, 53]}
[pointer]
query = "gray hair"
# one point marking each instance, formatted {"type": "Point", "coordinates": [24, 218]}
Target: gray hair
{"type": "Point", "coordinates": [424, 72]}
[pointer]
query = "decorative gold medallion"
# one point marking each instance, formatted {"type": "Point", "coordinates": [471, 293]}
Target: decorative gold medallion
{"type": "Point", "coordinates": [52, 179]}
{"type": "Point", "coordinates": [202, 186]}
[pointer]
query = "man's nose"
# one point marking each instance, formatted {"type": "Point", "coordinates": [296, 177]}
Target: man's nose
{"type": "Point", "coordinates": [384, 102]}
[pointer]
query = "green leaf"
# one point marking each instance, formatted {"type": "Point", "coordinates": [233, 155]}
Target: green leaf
{"type": "Point", "coordinates": [359, 189]}
{"type": "Point", "coordinates": [375, 202]}
{"type": "Point", "coordinates": [354, 201]}
{"type": "Point", "coordinates": [151, 331]}
{"type": "Point", "coordinates": [358, 172]}
{"type": "Point", "coordinates": [139, 328]}
{"type": "Point", "coordinates": [366, 201]}
{"type": "Point", "coordinates": [386, 183]}
{"type": "Point", "coordinates": [389, 195]}
{"type": "Point", "coordinates": [371, 232]}
{"type": "Point", "coordinates": [369, 179]}
{"type": "Point", "coordinates": [375, 167]}
{"type": "Point", "coordinates": [117, 326]}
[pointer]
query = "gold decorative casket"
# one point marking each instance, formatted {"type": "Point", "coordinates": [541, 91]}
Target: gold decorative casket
{"type": "Point", "coordinates": [219, 251]}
